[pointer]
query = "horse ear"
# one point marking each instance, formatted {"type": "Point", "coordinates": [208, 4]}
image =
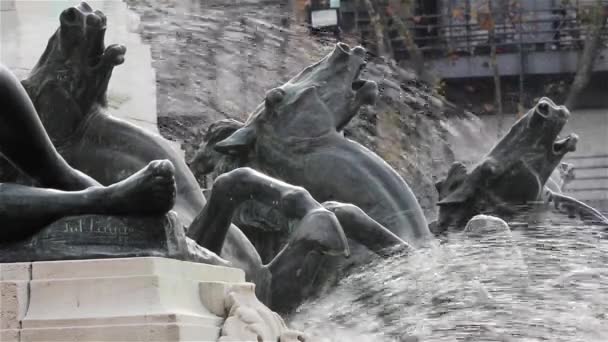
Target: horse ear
{"type": "Point", "coordinates": [457, 170]}
{"type": "Point", "coordinates": [238, 142]}
{"type": "Point", "coordinates": [452, 189]}
{"type": "Point", "coordinates": [460, 195]}
{"type": "Point", "coordinates": [438, 186]}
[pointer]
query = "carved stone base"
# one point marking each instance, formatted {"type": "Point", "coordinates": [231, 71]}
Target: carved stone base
{"type": "Point", "coordinates": [131, 299]}
{"type": "Point", "coordinates": [92, 237]}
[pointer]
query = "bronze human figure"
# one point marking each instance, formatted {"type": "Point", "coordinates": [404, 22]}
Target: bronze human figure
{"type": "Point", "coordinates": [62, 190]}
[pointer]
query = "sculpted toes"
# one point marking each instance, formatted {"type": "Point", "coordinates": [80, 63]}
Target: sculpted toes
{"type": "Point", "coordinates": [162, 168]}
{"type": "Point", "coordinates": [168, 167]}
{"type": "Point", "coordinates": [164, 180]}
{"type": "Point", "coordinates": [164, 188]}
{"type": "Point", "coordinates": [153, 166]}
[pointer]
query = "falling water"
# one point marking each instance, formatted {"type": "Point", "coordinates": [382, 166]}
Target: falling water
{"type": "Point", "coordinates": [541, 283]}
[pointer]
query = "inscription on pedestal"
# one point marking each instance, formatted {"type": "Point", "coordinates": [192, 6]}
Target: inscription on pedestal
{"type": "Point", "coordinates": [116, 234]}
{"type": "Point", "coordinates": [107, 230]}
{"type": "Point", "coordinates": [94, 236]}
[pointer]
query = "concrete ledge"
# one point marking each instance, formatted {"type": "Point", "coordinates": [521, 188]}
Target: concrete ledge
{"type": "Point", "coordinates": [10, 335]}
{"type": "Point", "coordinates": [132, 299]}
{"type": "Point", "coordinates": [128, 267]}
{"type": "Point", "coordinates": [15, 271]}
{"type": "Point", "coordinates": [143, 332]}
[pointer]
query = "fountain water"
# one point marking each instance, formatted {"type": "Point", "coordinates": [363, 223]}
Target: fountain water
{"type": "Point", "coordinates": [546, 283]}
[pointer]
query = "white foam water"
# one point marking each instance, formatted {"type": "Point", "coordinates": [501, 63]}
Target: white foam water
{"type": "Point", "coordinates": [542, 283]}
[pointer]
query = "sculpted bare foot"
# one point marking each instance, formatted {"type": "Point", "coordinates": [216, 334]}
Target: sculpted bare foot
{"type": "Point", "coordinates": [149, 191]}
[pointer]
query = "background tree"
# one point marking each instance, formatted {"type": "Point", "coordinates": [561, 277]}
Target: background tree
{"type": "Point", "coordinates": [405, 33]}
{"type": "Point", "coordinates": [493, 58]}
{"type": "Point", "coordinates": [377, 27]}
{"type": "Point", "coordinates": [392, 18]}
{"type": "Point", "coordinates": [593, 43]}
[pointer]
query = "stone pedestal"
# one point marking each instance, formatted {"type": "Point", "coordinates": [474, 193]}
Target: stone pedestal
{"type": "Point", "coordinates": [130, 299]}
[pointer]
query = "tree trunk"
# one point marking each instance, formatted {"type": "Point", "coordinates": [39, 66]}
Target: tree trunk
{"type": "Point", "coordinates": [494, 62]}
{"type": "Point", "coordinates": [410, 44]}
{"type": "Point", "coordinates": [593, 43]}
{"type": "Point", "coordinates": [388, 44]}
{"type": "Point", "coordinates": [376, 24]}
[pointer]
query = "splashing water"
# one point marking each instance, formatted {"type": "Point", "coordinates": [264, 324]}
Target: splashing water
{"type": "Point", "coordinates": [546, 283]}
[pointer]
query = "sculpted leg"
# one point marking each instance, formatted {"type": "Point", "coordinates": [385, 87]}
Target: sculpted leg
{"type": "Point", "coordinates": [575, 208]}
{"type": "Point", "coordinates": [24, 142]}
{"type": "Point", "coordinates": [293, 271]}
{"type": "Point", "coordinates": [299, 271]}
{"type": "Point", "coordinates": [233, 188]}
{"type": "Point", "coordinates": [360, 227]}
{"type": "Point", "coordinates": [25, 210]}
{"type": "Point", "coordinates": [309, 261]}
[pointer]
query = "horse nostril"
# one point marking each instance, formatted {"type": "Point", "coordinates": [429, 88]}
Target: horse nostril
{"type": "Point", "coordinates": [543, 109]}
{"type": "Point", "coordinates": [359, 51]}
{"type": "Point", "coordinates": [69, 15]}
{"type": "Point", "coordinates": [344, 47]}
{"type": "Point", "coordinates": [93, 20]}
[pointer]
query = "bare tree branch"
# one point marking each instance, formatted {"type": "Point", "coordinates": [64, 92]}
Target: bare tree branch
{"type": "Point", "coordinates": [493, 59]}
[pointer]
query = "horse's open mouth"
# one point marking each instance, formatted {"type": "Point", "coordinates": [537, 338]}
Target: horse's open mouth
{"type": "Point", "coordinates": [563, 146]}
{"type": "Point", "coordinates": [358, 83]}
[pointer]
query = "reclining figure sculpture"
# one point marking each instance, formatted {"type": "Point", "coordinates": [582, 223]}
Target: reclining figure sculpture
{"type": "Point", "coordinates": [67, 88]}
{"type": "Point", "coordinates": [62, 190]}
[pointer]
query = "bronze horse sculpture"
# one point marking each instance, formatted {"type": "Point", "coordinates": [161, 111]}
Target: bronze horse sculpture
{"type": "Point", "coordinates": [515, 174]}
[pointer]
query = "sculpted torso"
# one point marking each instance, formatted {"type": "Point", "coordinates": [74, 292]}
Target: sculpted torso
{"type": "Point", "coordinates": [353, 174]}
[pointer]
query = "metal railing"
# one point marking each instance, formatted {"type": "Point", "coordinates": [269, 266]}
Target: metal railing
{"type": "Point", "coordinates": [555, 28]}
